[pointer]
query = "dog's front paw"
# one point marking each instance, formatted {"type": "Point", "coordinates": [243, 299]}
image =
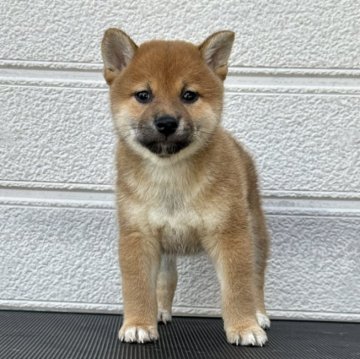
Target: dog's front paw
{"type": "Point", "coordinates": [164, 316]}
{"type": "Point", "coordinates": [138, 333]}
{"type": "Point", "coordinates": [263, 320]}
{"type": "Point", "coordinates": [241, 335]}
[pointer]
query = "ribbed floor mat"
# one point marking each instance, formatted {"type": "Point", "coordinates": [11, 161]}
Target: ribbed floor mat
{"type": "Point", "coordinates": [36, 335]}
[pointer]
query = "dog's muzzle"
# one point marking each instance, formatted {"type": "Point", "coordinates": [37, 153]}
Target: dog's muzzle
{"type": "Point", "coordinates": [165, 138]}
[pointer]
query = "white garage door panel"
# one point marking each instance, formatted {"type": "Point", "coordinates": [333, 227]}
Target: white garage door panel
{"type": "Point", "coordinates": [56, 135]}
{"type": "Point", "coordinates": [301, 142]}
{"type": "Point", "coordinates": [69, 257]}
{"type": "Point", "coordinates": [281, 34]}
{"type": "Point", "coordinates": [58, 255]}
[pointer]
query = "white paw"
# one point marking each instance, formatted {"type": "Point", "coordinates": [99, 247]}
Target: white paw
{"type": "Point", "coordinates": [254, 336]}
{"type": "Point", "coordinates": [164, 316]}
{"type": "Point", "coordinates": [263, 320]}
{"type": "Point", "coordinates": [138, 334]}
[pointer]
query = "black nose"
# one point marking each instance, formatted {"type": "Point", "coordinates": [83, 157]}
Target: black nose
{"type": "Point", "coordinates": [166, 125]}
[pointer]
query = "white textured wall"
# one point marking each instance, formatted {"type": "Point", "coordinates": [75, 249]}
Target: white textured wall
{"type": "Point", "coordinates": [292, 97]}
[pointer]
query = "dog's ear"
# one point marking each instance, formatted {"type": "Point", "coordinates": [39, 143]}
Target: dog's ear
{"type": "Point", "coordinates": [215, 51]}
{"type": "Point", "coordinates": [117, 50]}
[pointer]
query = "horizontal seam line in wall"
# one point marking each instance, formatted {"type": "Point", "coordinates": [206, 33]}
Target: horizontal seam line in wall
{"type": "Point", "coordinates": [53, 87]}
{"type": "Point", "coordinates": [45, 205]}
{"type": "Point", "coordinates": [241, 79]}
{"type": "Point", "coordinates": [274, 93]}
{"type": "Point", "coordinates": [98, 85]}
{"type": "Point", "coordinates": [29, 189]}
{"type": "Point", "coordinates": [94, 187]}
{"type": "Point", "coordinates": [273, 206]}
{"type": "Point", "coordinates": [252, 93]}
{"type": "Point", "coordinates": [99, 65]}
{"type": "Point", "coordinates": [55, 301]}
{"type": "Point", "coordinates": [4, 183]}
{"type": "Point", "coordinates": [227, 91]}
{"type": "Point", "coordinates": [311, 311]}
{"type": "Point", "coordinates": [316, 214]}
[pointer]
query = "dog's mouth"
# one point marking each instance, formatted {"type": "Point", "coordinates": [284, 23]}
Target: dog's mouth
{"type": "Point", "coordinates": [164, 146]}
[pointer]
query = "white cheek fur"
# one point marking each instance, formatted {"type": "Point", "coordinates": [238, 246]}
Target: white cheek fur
{"type": "Point", "coordinates": [207, 124]}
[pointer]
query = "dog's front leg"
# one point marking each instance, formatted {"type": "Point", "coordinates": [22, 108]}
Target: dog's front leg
{"type": "Point", "coordinates": [232, 253]}
{"type": "Point", "coordinates": [139, 263]}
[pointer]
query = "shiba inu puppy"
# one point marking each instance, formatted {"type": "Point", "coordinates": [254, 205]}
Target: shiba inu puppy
{"type": "Point", "coordinates": [183, 185]}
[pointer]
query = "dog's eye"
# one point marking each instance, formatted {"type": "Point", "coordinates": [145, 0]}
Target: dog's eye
{"type": "Point", "coordinates": [143, 96]}
{"type": "Point", "coordinates": [189, 96]}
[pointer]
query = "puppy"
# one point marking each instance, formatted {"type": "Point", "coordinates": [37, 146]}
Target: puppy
{"type": "Point", "coordinates": [183, 184]}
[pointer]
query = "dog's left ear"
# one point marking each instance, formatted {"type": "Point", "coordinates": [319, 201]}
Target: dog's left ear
{"type": "Point", "coordinates": [216, 49]}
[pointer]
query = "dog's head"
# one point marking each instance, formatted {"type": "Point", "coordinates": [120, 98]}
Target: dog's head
{"type": "Point", "coordinates": [166, 96]}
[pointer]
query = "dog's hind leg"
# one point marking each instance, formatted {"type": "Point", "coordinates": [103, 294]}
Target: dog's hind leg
{"type": "Point", "coordinates": [166, 285]}
{"type": "Point", "coordinates": [261, 251]}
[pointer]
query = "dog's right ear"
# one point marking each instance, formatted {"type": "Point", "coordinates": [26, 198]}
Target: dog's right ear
{"type": "Point", "coordinates": [117, 50]}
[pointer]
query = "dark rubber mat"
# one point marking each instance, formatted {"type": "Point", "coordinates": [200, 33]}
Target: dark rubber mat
{"type": "Point", "coordinates": [36, 335]}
